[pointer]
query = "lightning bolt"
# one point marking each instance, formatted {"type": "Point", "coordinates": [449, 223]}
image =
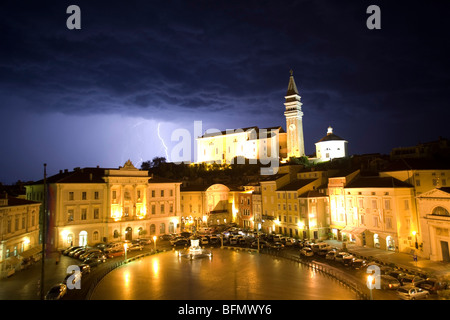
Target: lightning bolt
{"type": "Point", "coordinates": [163, 143]}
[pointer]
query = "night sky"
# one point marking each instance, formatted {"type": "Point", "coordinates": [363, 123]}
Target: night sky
{"type": "Point", "coordinates": [96, 96]}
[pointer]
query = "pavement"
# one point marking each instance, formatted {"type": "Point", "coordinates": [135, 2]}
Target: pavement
{"type": "Point", "coordinates": [403, 261]}
{"type": "Point", "coordinates": [25, 284]}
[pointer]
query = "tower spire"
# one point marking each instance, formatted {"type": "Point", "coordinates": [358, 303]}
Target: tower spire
{"type": "Point", "coordinates": [292, 87]}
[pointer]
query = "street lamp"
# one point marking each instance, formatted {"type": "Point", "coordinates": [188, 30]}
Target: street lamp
{"type": "Point", "coordinates": [154, 242]}
{"type": "Point", "coordinates": [370, 284]}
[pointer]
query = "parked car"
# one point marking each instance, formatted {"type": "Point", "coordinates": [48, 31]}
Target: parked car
{"type": "Point", "coordinates": [277, 245]}
{"type": "Point", "coordinates": [348, 260]}
{"type": "Point", "coordinates": [74, 277]}
{"type": "Point", "coordinates": [100, 246]}
{"type": "Point", "coordinates": [174, 240]}
{"type": "Point", "coordinates": [307, 252]}
{"type": "Point", "coordinates": [319, 246]}
{"type": "Point", "coordinates": [203, 240]}
{"type": "Point", "coordinates": [179, 242]}
{"type": "Point", "coordinates": [85, 268]}
{"type": "Point", "coordinates": [432, 285]}
{"type": "Point", "coordinates": [114, 246]}
{"type": "Point", "coordinates": [69, 249]}
{"type": "Point", "coordinates": [290, 242]}
{"type": "Point", "coordinates": [79, 252]}
{"type": "Point", "coordinates": [331, 255]}
{"type": "Point", "coordinates": [262, 244]}
{"type": "Point", "coordinates": [135, 245]}
{"type": "Point", "coordinates": [144, 241]}
{"type": "Point", "coordinates": [409, 279]}
{"type": "Point", "coordinates": [87, 253]}
{"type": "Point", "coordinates": [214, 240]}
{"type": "Point", "coordinates": [165, 237]}
{"type": "Point", "coordinates": [412, 293]}
{"type": "Point", "coordinates": [232, 240]}
{"type": "Point", "coordinates": [389, 283]}
{"type": "Point", "coordinates": [340, 256]}
{"type": "Point", "coordinates": [95, 260]}
{"type": "Point", "coordinates": [396, 274]}
{"type": "Point", "coordinates": [358, 264]}
{"type": "Point", "coordinates": [73, 252]}
{"type": "Point", "coordinates": [56, 292]}
{"type": "Point", "coordinates": [322, 252]}
{"type": "Point", "coordinates": [115, 253]}
{"type": "Point", "coordinates": [242, 241]}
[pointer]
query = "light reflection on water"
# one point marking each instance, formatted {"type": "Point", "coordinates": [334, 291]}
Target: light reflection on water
{"type": "Point", "coordinates": [229, 275]}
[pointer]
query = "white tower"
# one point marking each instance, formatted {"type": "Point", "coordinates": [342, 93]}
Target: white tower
{"type": "Point", "coordinates": [294, 123]}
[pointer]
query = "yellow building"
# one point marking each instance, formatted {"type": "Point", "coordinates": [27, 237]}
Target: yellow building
{"type": "Point", "coordinates": [92, 205]}
{"type": "Point", "coordinates": [205, 206]}
{"type": "Point", "coordinates": [19, 232]}
{"type": "Point", "coordinates": [293, 214]}
{"type": "Point", "coordinates": [379, 212]}
{"type": "Point", "coordinates": [434, 213]}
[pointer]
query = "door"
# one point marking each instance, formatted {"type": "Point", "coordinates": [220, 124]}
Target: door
{"type": "Point", "coordinates": [445, 252]}
{"type": "Point", "coordinates": [129, 234]}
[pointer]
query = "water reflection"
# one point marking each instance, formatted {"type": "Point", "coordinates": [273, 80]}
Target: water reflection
{"type": "Point", "coordinates": [228, 275]}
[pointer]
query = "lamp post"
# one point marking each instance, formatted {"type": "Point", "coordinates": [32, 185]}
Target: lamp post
{"type": "Point", "coordinates": [125, 246]}
{"type": "Point", "coordinates": [370, 285]}
{"type": "Point", "coordinates": [154, 243]}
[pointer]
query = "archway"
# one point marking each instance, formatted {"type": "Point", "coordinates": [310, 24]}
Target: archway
{"type": "Point", "coordinates": [129, 234]}
{"type": "Point", "coordinates": [82, 239]}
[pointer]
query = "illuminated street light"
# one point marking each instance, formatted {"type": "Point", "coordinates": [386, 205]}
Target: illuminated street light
{"type": "Point", "coordinates": [154, 242]}
{"type": "Point", "coordinates": [414, 233]}
{"type": "Point", "coordinates": [370, 284]}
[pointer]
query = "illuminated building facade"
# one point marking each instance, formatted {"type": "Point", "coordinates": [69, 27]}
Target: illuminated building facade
{"type": "Point", "coordinates": [211, 205]}
{"type": "Point", "coordinates": [92, 205]}
{"type": "Point", "coordinates": [434, 212]}
{"type": "Point", "coordinates": [255, 143]}
{"type": "Point", "coordinates": [331, 147]}
{"type": "Point", "coordinates": [19, 232]}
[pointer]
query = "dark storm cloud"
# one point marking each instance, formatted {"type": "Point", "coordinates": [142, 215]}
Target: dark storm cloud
{"type": "Point", "coordinates": [229, 61]}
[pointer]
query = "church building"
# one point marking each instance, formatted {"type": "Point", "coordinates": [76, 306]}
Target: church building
{"type": "Point", "coordinates": [258, 143]}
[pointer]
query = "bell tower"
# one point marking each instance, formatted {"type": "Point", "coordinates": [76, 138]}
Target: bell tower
{"type": "Point", "coordinates": [294, 123]}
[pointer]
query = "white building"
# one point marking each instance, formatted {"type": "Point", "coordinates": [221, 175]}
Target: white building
{"type": "Point", "coordinates": [331, 147]}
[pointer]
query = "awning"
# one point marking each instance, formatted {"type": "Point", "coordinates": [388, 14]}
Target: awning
{"type": "Point", "coordinates": [31, 252]}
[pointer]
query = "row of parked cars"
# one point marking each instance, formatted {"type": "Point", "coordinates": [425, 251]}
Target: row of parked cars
{"type": "Point", "coordinates": [407, 286]}
{"type": "Point", "coordinates": [92, 257]}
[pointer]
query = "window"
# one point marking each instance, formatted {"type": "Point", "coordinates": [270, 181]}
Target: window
{"type": "Point", "coordinates": [114, 194]}
{"type": "Point", "coordinates": [171, 192]}
{"type": "Point", "coordinates": [440, 211]}
{"type": "Point", "coordinates": [362, 219]}
{"type": "Point", "coordinates": [126, 211]}
{"type": "Point", "coordinates": [83, 214]}
{"type": "Point", "coordinates": [139, 194]}
{"type": "Point", "coordinates": [96, 195]}
{"type": "Point", "coordinates": [96, 213]}
{"type": "Point", "coordinates": [153, 209]}
{"type": "Point", "coordinates": [70, 215]}
{"type": "Point", "coordinates": [95, 236]}
{"type": "Point", "coordinates": [388, 223]}
{"type": "Point", "coordinates": [374, 204]}
{"type": "Point", "coordinates": [162, 193]}
{"type": "Point", "coordinates": [171, 208]}
{"type": "Point", "coordinates": [83, 195]}
{"type": "Point", "coordinates": [387, 204]}
{"type": "Point", "coordinates": [162, 209]}
{"type": "Point", "coordinates": [375, 221]}
{"type": "Point", "coordinates": [70, 195]}
{"type": "Point", "coordinates": [417, 183]}
{"type": "Point", "coordinates": [153, 193]}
